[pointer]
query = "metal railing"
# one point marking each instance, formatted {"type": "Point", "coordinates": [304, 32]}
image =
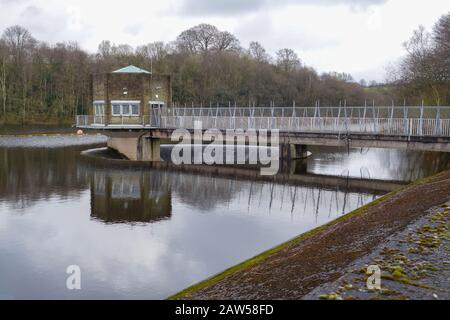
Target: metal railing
{"type": "Point", "coordinates": [338, 125]}
{"type": "Point", "coordinates": [382, 126]}
{"type": "Point", "coordinates": [343, 111]}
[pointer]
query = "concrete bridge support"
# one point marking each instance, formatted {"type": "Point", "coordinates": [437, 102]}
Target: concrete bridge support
{"type": "Point", "coordinates": [126, 146]}
{"type": "Point", "coordinates": [149, 149]}
{"type": "Point", "coordinates": [142, 146]}
{"type": "Point", "coordinates": [136, 147]}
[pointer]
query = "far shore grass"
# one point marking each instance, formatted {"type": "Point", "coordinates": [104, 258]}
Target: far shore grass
{"type": "Point", "coordinates": [41, 121]}
{"type": "Point", "coordinates": [262, 256]}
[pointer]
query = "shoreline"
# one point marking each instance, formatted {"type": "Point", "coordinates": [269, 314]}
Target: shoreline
{"type": "Point", "coordinates": [50, 140]}
{"type": "Point", "coordinates": [294, 268]}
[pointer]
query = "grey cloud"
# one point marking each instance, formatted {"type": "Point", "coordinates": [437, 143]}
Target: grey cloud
{"type": "Point", "coordinates": [48, 26]}
{"type": "Point", "coordinates": [260, 28]}
{"type": "Point", "coordinates": [230, 7]}
{"type": "Point", "coordinates": [223, 7]}
{"type": "Point", "coordinates": [35, 19]}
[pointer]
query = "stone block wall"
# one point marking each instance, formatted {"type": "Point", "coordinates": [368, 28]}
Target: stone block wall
{"type": "Point", "coordinates": [137, 86]}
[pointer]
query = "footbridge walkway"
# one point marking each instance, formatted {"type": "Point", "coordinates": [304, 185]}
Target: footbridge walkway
{"type": "Point", "coordinates": [418, 128]}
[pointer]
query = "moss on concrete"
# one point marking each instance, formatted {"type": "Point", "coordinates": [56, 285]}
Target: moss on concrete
{"type": "Point", "coordinates": [261, 257]}
{"type": "Point", "coordinates": [406, 274]}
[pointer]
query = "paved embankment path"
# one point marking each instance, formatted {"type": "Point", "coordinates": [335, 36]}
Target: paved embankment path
{"type": "Point", "coordinates": [324, 255]}
{"type": "Point", "coordinates": [414, 264]}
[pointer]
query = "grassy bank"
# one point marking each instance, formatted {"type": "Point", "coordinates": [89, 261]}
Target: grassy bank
{"type": "Point", "coordinates": [35, 120]}
{"type": "Point", "coordinates": [260, 259]}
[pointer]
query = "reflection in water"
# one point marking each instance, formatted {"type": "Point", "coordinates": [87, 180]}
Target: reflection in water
{"type": "Point", "coordinates": [118, 197]}
{"type": "Point", "coordinates": [28, 175]}
{"type": "Point", "coordinates": [390, 164]}
{"type": "Point", "coordinates": [130, 195]}
{"type": "Point", "coordinates": [147, 233]}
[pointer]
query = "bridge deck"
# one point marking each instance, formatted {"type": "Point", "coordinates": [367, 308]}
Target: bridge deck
{"type": "Point", "coordinates": [409, 127]}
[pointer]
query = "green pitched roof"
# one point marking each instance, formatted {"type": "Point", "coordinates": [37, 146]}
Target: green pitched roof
{"type": "Point", "coordinates": [131, 69]}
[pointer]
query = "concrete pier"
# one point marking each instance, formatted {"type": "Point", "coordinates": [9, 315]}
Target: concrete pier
{"type": "Point", "coordinates": [149, 149]}
{"type": "Point", "coordinates": [136, 146]}
{"type": "Point", "coordinates": [145, 145]}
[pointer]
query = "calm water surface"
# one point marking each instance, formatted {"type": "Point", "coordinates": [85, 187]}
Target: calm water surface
{"type": "Point", "coordinates": [35, 129]}
{"type": "Point", "coordinates": [147, 233]}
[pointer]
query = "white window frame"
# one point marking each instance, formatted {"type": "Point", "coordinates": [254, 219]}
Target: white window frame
{"type": "Point", "coordinates": [121, 104]}
{"type": "Point", "coordinates": [99, 108]}
{"type": "Point", "coordinates": [156, 105]}
{"type": "Point", "coordinates": [112, 110]}
{"type": "Point", "coordinates": [159, 104]}
{"type": "Point", "coordinates": [138, 109]}
{"type": "Point", "coordinates": [125, 190]}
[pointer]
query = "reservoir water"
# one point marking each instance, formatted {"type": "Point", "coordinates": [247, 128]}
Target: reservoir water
{"type": "Point", "coordinates": [146, 233]}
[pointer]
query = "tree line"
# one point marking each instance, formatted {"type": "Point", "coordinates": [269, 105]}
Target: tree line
{"type": "Point", "coordinates": [424, 74]}
{"type": "Point", "coordinates": [50, 83]}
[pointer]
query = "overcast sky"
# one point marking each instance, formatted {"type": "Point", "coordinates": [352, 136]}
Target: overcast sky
{"type": "Point", "coordinates": [356, 36]}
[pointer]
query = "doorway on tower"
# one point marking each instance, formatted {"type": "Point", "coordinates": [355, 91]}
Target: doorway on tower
{"type": "Point", "coordinates": [156, 109]}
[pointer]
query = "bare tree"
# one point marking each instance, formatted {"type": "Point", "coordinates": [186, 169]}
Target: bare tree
{"type": "Point", "coordinates": [153, 56]}
{"type": "Point", "coordinates": [205, 37]}
{"type": "Point", "coordinates": [225, 41]}
{"type": "Point", "coordinates": [20, 44]}
{"type": "Point", "coordinates": [419, 66]}
{"type": "Point", "coordinates": [287, 60]}
{"type": "Point", "coordinates": [441, 33]}
{"type": "Point", "coordinates": [154, 50]}
{"type": "Point", "coordinates": [104, 49]}
{"type": "Point", "coordinates": [187, 42]}
{"type": "Point", "coordinates": [3, 57]}
{"type": "Point", "coordinates": [199, 38]}
{"type": "Point", "coordinates": [122, 50]}
{"type": "Point", "coordinates": [257, 52]}
{"type": "Point", "coordinates": [51, 81]}
{"type": "Point", "coordinates": [424, 72]}
{"type": "Point", "coordinates": [441, 49]}
{"type": "Point", "coordinates": [18, 39]}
